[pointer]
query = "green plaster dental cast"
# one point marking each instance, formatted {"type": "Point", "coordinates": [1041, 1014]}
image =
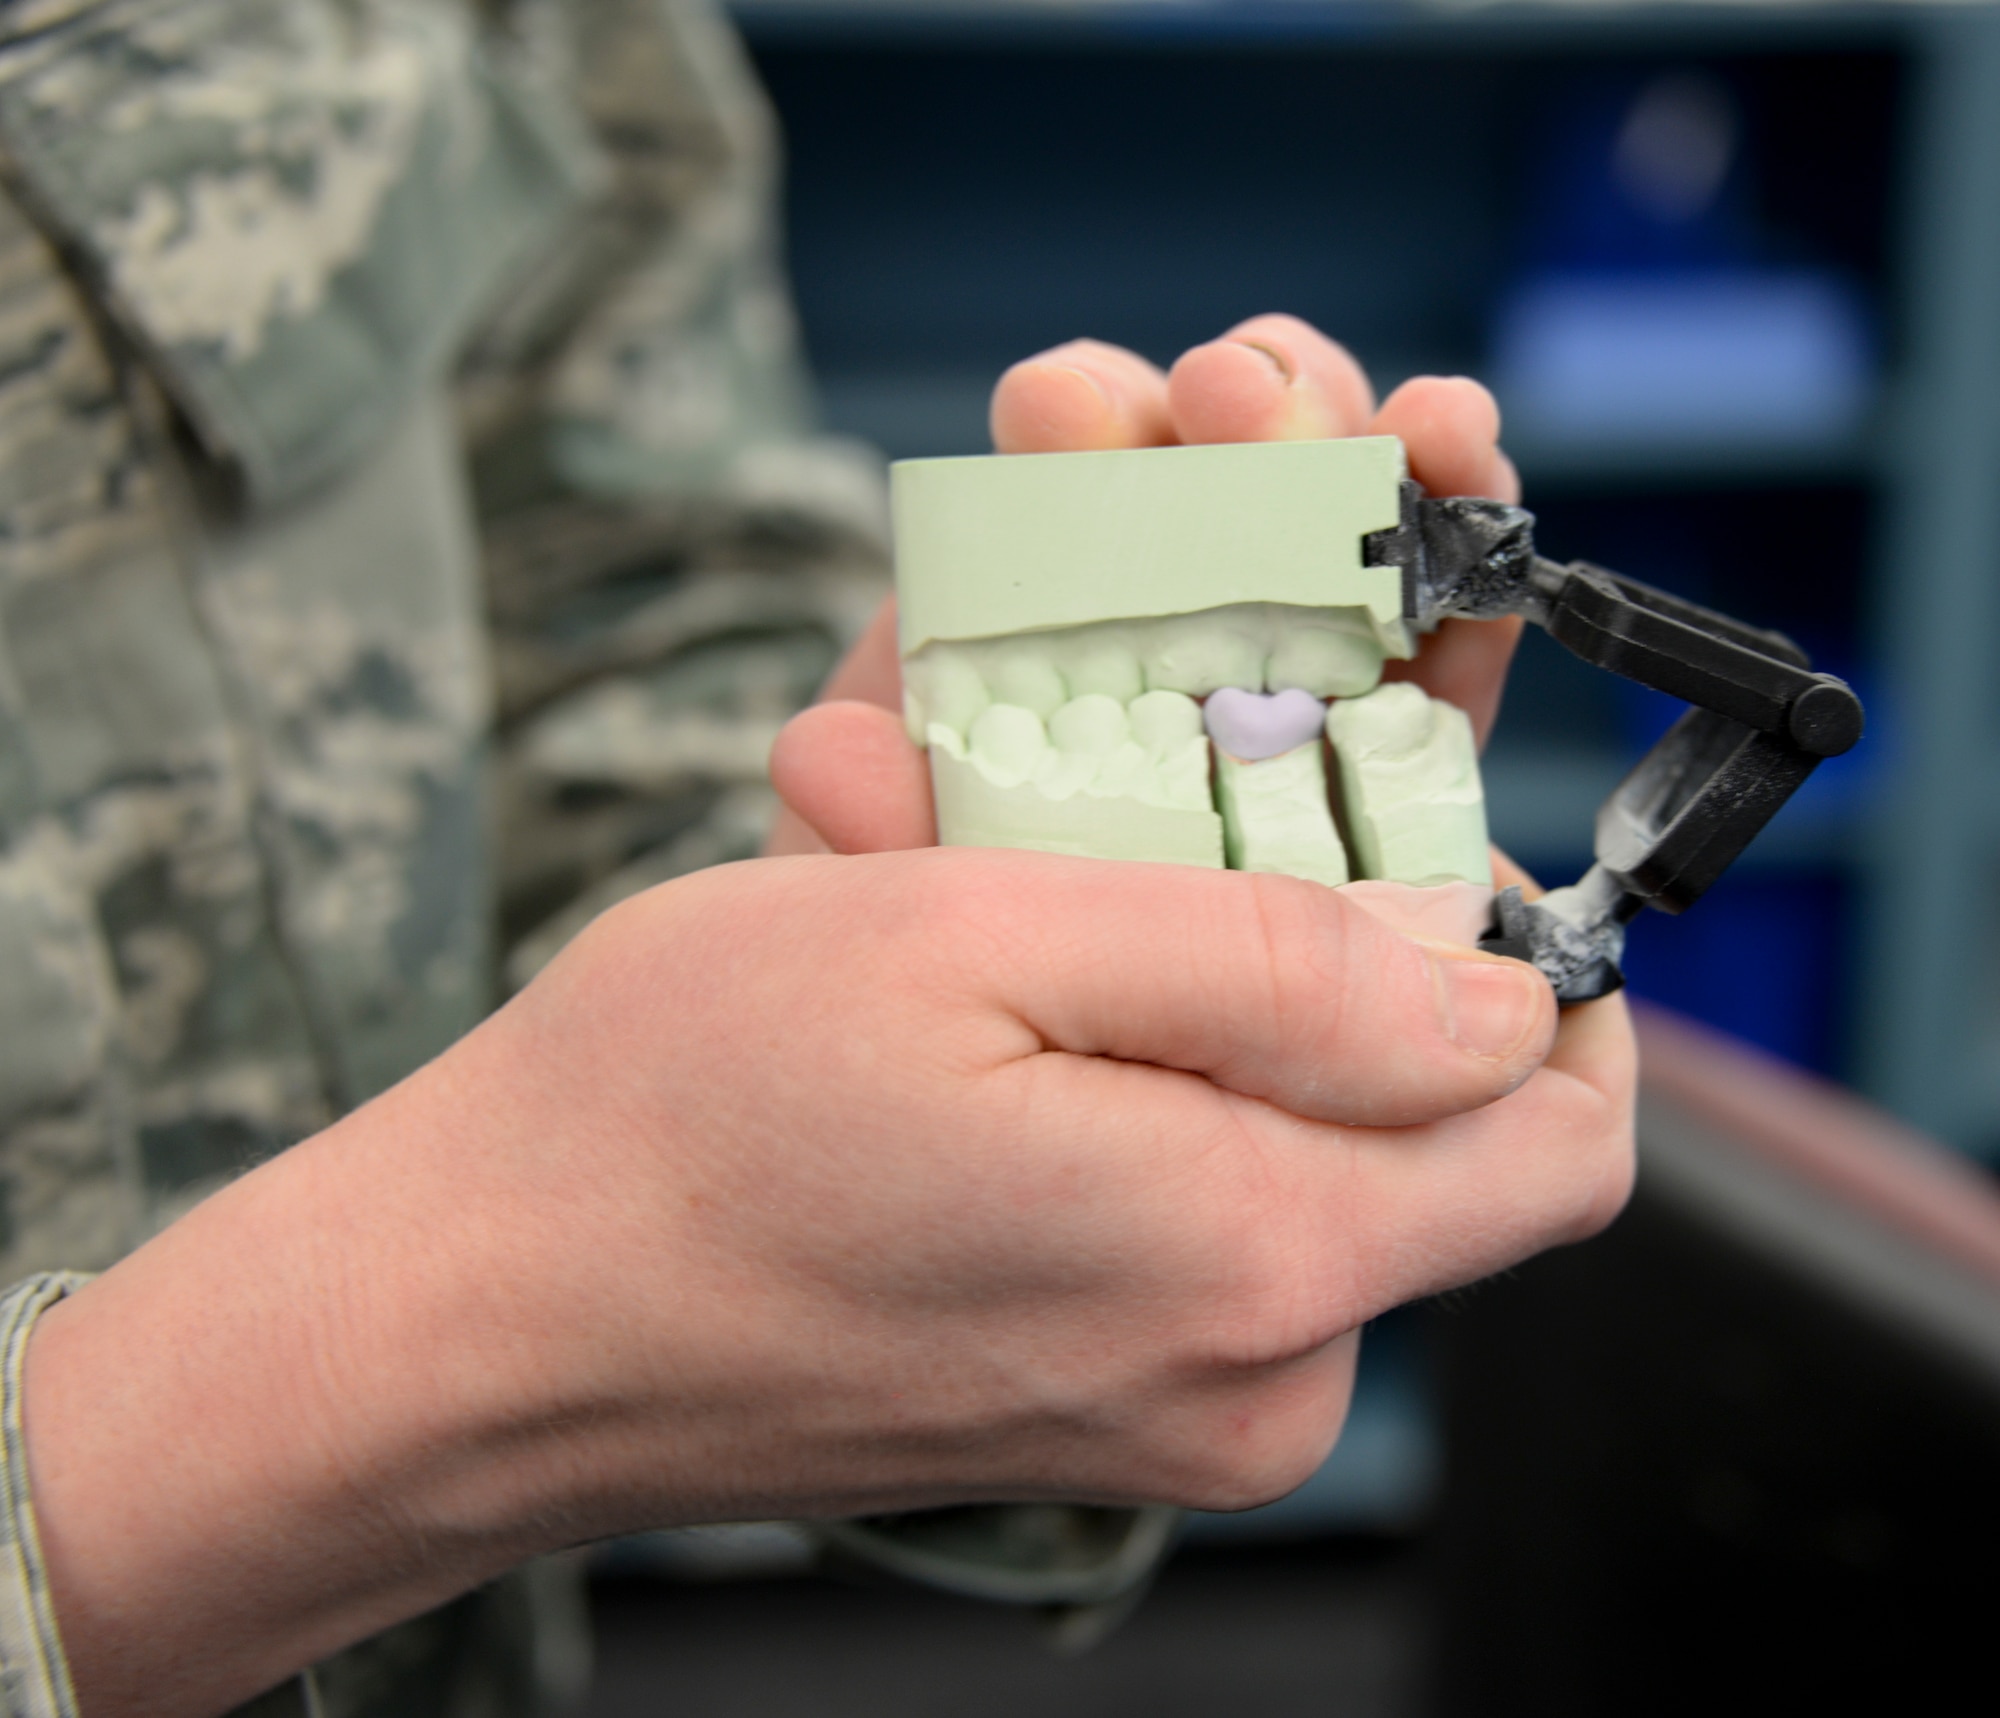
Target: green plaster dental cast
{"type": "Point", "coordinates": [1145, 655]}
{"type": "Point", "coordinates": [1276, 817]}
{"type": "Point", "coordinates": [1409, 779]}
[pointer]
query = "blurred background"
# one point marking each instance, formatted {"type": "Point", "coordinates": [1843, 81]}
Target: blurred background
{"type": "Point", "coordinates": [1734, 272]}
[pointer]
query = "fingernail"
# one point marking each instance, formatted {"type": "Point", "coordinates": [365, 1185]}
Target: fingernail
{"type": "Point", "coordinates": [1272, 356]}
{"type": "Point", "coordinates": [1490, 1006]}
{"type": "Point", "coordinates": [1085, 377]}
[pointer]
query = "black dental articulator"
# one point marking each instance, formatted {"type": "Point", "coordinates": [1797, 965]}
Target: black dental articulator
{"type": "Point", "coordinates": [1760, 721]}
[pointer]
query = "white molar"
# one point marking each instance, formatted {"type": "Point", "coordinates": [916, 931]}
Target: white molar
{"type": "Point", "coordinates": [1326, 660]}
{"type": "Point", "coordinates": [1253, 725]}
{"type": "Point", "coordinates": [1028, 676]}
{"type": "Point", "coordinates": [1092, 724]}
{"type": "Point", "coordinates": [1101, 659]}
{"type": "Point", "coordinates": [1006, 742]}
{"type": "Point", "coordinates": [943, 685]}
{"type": "Point", "coordinates": [1201, 653]}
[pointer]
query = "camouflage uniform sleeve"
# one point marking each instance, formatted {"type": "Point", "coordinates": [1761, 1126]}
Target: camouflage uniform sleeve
{"type": "Point", "coordinates": [242, 673]}
{"type": "Point", "coordinates": [34, 1681]}
{"type": "Point", "coordinates": [674, 558]}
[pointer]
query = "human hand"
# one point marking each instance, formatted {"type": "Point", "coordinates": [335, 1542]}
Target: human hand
{"type": "Point", "coordinates": [965, 1176]}
{"type": "Point", "coordinates": [853, 781]}
{"type": "Point", "coordinates": [849, 776]}
{"type": "Point", "coordinates": [808, 1186]}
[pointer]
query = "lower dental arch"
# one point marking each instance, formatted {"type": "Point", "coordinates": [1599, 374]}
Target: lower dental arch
{"type": "Point", "coordinates": [1091, 740]}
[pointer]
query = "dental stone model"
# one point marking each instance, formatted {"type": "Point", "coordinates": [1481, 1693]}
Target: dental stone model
{"type": "Point", "coordinates": [1142, 655]}
{"type": "Point", "coordinates": [1127, 655]}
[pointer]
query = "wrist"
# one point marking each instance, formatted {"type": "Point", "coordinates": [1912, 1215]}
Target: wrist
{"type": "Point", "coordinates": [301, 1413]}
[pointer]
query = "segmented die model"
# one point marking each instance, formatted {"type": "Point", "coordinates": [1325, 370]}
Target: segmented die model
{"type": "Point", "coordinates": [1154, 654]}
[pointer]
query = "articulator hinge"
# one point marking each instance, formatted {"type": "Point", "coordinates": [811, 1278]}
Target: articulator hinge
{"type": "Point", "coordinates": [1761, 722]}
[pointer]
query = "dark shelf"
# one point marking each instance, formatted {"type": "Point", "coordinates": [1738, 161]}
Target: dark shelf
{"type": "Point", "coordinates": [972, 182]}
{"type": "Point", "coordinates": [1689, 462]}
{"type": "Point", "coordinates": [1126, 25]}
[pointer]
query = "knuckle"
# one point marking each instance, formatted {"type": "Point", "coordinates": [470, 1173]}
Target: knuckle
{"type": "Point", "coordinates": [1266, 1297]}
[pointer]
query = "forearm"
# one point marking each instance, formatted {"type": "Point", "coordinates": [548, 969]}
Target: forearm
{"type": "Point", "coordinates": [276, 1428]}
{"type": "Point", "coordinates": [813, 1186]}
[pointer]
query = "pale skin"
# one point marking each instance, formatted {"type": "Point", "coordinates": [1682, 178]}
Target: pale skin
{"type": "Point", "coordinates": [837, 1182]}
{"type": "Point", "coordinates": [853, 781]}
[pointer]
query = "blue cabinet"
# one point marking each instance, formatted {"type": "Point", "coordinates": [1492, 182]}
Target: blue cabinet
{"type": "Point", "coordinates": [1736, 270]}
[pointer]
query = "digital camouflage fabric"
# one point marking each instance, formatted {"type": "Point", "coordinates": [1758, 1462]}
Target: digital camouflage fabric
{"type": "Point", "coordinates": [410, 539]}
{"type": "Point", "coordinates": [32, 1673]}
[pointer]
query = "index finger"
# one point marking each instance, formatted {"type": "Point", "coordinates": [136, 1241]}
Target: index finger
{"type": "Point", "coordinates": [1551, 1163]}
{"type": "Point", "coordinates": [1272, 378]}
{"type": "Point", "coordinates": [1362, 1219]}
{"type": "Point", "coordinates": [1450, 429]}
{"type": "Point", "coordinates": [1547, 1164]}
{"type": "Point", "coordinates": [1082, 397]}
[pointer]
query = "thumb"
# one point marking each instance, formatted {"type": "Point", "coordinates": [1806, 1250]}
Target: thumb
{"type": "Point", "coordinates": [1269, 986]}
{"type": "Point", "coordinates": [849, 771]}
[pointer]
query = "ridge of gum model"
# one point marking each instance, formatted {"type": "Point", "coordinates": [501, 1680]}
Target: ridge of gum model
{"type": "Point", "coordinates": [1276, 817]}
{"type": "Point", "coordinates": [1409, 781]}
{"type": "Point", "coordinates": [1099, 779]}
{"type": "Point", "coordinates": [1061, 614]}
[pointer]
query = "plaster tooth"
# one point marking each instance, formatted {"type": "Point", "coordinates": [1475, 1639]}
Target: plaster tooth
{"type": "Point", "coordinates": [1394, 723]}
{"type": "Point", "coordinates": [1409, 782]}
{"type": "Point", "coordinates": [947, 686]}
{"type": "Point", "coordinates": [1275, 815]}
{"type": "Point", "coordinates": [1328, 662]}
{"type": "Point", "coordinates": [1007, 742]}
{"type": "Point", "coordinates": [1198, 653]}
{"type": "Point", "coordinates": [1026, 677]}
{"type": "Point", "coordinates": [1164, 721]}
{"type": "Point", "coordinates": [1103, 660]}
{"type": "Point", "coordinates": [1094, 723]}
